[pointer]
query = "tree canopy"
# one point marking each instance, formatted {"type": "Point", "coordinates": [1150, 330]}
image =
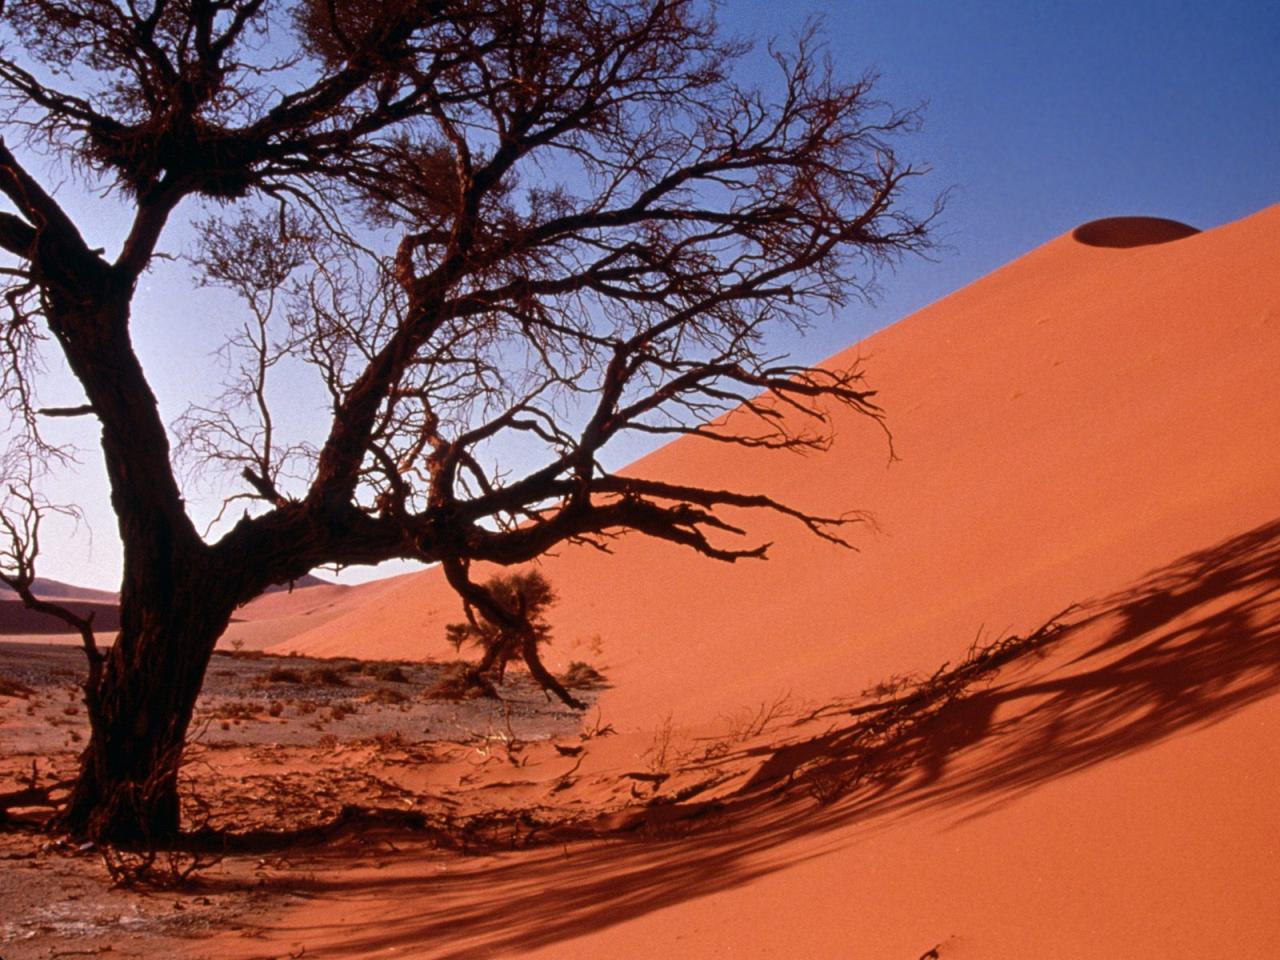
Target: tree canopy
{"type": "Point", "coordinates": [480, 223]}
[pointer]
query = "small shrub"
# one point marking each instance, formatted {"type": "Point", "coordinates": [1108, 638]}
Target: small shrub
{"type": "Point", "coordinates": [526, 595]}
{"type": "Point", "coordinates": [236, 710]}
{"type": "Point", "coordinates": [387, 695]}
{"type": "Point", "coordinates": [582, 676]}
{"type": "Point", "coordinates": [389, 673]}
{"type": "Point", "coordinates": [327, 676]}
{"type": "Point", "coordinates": [276, 708]}
{"type": "Point", "coordinates": [306, 708]}
{"type": "Point", "coordinates": [283, 675]}
{"type": "Point", "coordinates": [461, 681]}
{"type": "Point", "coordinates": [12, 688]}
{"type": "Point", "coordinates": [340, 710]}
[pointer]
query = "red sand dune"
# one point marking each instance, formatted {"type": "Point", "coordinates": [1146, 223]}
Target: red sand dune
{"type": "Point", "coordinates": [1095, 423]}
{"type": "Point", "coordinates": [17, 620]}
{"type": "Point", "coordinates": [1064, 425]}
{"type": "Point", "coordinates": [282, 612]}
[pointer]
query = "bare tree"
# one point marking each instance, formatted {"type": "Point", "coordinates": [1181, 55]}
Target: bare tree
{"type": "Point", "coordinates": [483, 223]}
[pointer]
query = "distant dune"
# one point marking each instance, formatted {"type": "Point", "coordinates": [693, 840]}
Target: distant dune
{"type": "Point", "coordinates": [299, 599]}
{"type": "Point", "coordinates": [57, 590]}
{"type": "Point", "coordinates": [16, 619]}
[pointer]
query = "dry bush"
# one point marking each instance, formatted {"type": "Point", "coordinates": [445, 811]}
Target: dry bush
{"type": "Point", "coordinates": [387, 695]}
{"type": "Point", "coordinates": [12, 688]}
{"type": "Point", "coordinates": [236, 710]}
{"type": "Point", "coordinates": [525, 596]}
{"type": "Point", "coordinates": [582, 676]}
{"type": "Point", "coordinates": [387, 672]}
{"type": "Point", "coordinates": [276, 708]}
{"type": "Point", "coordinates": [283, 675]}
{"type": "Point", "coordinates": [340, 710]}
{"type": "Point", "coordinates": [660, 754]}
{"type": "Point", "coordinates": [461, 681]}
{"type": "Point", "coordinates": [326, 676]}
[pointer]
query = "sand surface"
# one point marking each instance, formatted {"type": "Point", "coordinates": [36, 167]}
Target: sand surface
{"type": "Point", "coordinates": [1089, 432]}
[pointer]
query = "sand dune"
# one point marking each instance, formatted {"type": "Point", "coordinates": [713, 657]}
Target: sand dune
{"type": "Point", "coordinates": [1067, 423]}
{"type": "Point", "coordinates": [1091, 428]}
{"type": "Point", "coordinates": [1093, 424]}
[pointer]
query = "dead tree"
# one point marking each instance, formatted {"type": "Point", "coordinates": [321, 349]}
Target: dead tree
{"type": "Point", "coordinates": [482, 223]}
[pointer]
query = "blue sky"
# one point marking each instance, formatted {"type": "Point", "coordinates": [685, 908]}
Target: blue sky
{"type": "Point", "coordinates": [1044, 115]}
{"type": "Point", "coordinates": [1040, 116]}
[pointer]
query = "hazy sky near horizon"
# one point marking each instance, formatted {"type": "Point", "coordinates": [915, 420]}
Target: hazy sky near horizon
{"type": "Point", "coordinates": [1039, 116]}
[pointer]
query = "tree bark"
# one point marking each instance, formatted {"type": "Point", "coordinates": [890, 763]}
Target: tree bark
{"type": "Point", "coordinates": [127, 789]}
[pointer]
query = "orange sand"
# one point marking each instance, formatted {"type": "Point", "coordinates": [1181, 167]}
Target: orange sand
{"type": "Point", "coordinates": [1064, 425]}
{"type": "Point", "coordinates": [1095, 423]}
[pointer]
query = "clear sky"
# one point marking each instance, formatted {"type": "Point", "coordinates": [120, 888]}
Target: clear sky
{"type": "Point", "coordinates": [1040, 116]}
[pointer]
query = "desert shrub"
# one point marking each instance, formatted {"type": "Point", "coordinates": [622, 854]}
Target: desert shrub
{"type": "Point", "coordinates": [461, 681]}
{"type": "Point", "coordinates": [387, 695]}
{"type": "Point", "coordinates": [306, 708]}
{"type": "Point", "coordinates": [326, 676]}
{"type": "Point", "coordinates": [526, 595]}
{"type": "Point", "coordinates": [582, 676]}
{"type": "Point", "coordinates": [388, 673]}
{"type": "Point", "coordinates": [276, 708]}
{"type": "Point", "coordinates": [283, 675]}
{"type": "Point", "coordinates": [236, 710]}
{"type": "Point", "coordinates": [353, 666]}
{"type": "Point", "coordinates": [340, 710]}
{"type": "Point", "coordinates": [12, 688]}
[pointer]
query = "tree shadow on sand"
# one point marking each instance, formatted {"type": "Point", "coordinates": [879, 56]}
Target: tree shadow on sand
{"type": "Point", "coordinates": [1186, 647]}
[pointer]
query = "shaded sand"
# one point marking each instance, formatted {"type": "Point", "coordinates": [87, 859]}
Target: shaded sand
{"type": "Point", "coordinates": [1131, 231]}
{"type": "Point", "coordinates": [1110, 793]}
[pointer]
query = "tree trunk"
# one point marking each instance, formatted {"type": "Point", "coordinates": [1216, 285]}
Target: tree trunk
{"type": "Point", "coordinates": [127, 789]}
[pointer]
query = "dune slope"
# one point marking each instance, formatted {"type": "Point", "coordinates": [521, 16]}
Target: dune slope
{"type": "Point", "coordinates": [1094, 424]}
{"type": "Point", "coordinates": [1065, 424]}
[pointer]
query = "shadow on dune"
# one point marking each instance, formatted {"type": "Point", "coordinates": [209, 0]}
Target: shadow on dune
{"type": "Point", "coordinates": [1189, 645]}
{"type": "Point", "coordinates": [1185, 648]}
